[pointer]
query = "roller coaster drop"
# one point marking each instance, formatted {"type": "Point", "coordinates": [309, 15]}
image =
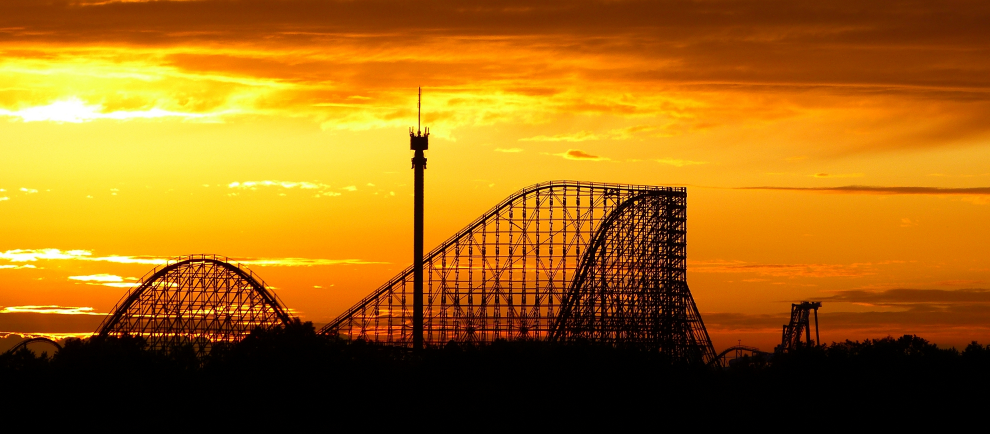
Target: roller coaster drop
{"type": "Point", "coordinates": [199, 300]}
{"type": "Point", "coordinates": [559, 261]}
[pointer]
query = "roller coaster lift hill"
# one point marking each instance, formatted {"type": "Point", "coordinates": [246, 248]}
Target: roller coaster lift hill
{"type": "Point", "coordinates": [559, 261]}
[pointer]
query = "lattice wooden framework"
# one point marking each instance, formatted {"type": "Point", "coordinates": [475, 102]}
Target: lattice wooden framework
{"type": "Point", "coordinates": [508, 274]}
{"type": "Point", "coordinates": [199, 300]}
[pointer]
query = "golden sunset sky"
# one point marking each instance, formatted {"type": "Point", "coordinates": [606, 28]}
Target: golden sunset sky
{"type": "Point", "coordinates": [834, 151]}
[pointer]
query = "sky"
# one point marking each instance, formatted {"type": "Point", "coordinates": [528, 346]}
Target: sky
{"type": "Point", "coordinates": [836, 151]}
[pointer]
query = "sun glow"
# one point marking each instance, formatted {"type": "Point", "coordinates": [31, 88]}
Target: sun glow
{"type": "Point", "coordinates": [75, 110]}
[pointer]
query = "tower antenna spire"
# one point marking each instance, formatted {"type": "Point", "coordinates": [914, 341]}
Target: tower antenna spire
{"type": "Point", "coordinates": [418, 142]}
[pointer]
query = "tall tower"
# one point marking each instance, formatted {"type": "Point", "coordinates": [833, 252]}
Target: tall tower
{"type": "Point", "coordinates": [419, 142]}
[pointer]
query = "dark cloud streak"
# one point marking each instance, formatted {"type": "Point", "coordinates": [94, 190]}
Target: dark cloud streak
{"type": "Point", "coordinates": [892, 322]}
{"type": "Point", "coordinates": [913, 74]}
{"type": "Point", "coordinates": [914, 44]}
{"type": "Point", "coordinates": [911, 296]}
{"type": "Point", "coordinates": [898, 311]}
{"type": "Point", "coordinates": [866, 189]}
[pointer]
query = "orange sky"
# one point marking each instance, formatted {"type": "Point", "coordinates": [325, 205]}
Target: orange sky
{"type": "Point", "coordinates": [275, 131]}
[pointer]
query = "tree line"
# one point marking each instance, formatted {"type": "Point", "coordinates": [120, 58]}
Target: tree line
{"type": "Point", "coordinates": [315, 371]}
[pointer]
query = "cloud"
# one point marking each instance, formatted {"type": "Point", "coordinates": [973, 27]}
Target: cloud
{"type": "Point", "coordinates": [29, 255]}
{"type": "Point", "coordinates": [14, 267]}
{"type": "Point", "coordinates": [74, 110]}
{"type": "Point", "coordinates": [508, 150]}
{"type": "Point", "coordinates": [302, 262]}
{"type": "Point", "coordinates": [783, 270]}
{"type": "Point", "coordinates": [962, 175]}
{"type": "Point", "coordinates": [679, 163]}
{"type": "Point", "coordinates": [748, 322]}
{"type": "Point", "coordinates": [580, 136]}
{"type": "Point", "coordinates": [51, 309]}
{"type": "Point", "coordinates": [906, 296]}
{"type": "Point", "coordinates": [106, 280]}
{"type": "Point", "coordinates": [26, 255]}
{"type": "Point", "coordinates": [254, 185]}
{"type": "Point", "coordinates": [62, 321]}
{"type": "Point", "coordinates": [837, 175]}
{"type": "Point", "coordinates": [955, 317]}
{"type": "Point", "coordinates": [907, 79]}
{"type": "Point", "coordinates": [955, 323]}
{"type": "Point", "coordinates": [323, 190]}
{"type": "Point", "coordinates": [576, 154]}
{"type": "Point", "coordinates": [3, 198]}
{"type": "Point", "coordinates": [867, 189]}
{"type": "Point", "coordinates": [98, 278]}
{"type": "Point", "coordinates": [896, 309]}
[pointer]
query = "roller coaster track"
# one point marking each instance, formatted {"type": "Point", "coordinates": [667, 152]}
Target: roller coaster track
{"type": "Point", "coordinates": [199, 300]}
{"type": "Point", "coordinates": [550, 248]}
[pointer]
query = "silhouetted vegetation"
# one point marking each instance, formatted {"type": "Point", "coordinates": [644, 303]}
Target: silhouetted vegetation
{"type": "Point", "coordinates": [295, 368]}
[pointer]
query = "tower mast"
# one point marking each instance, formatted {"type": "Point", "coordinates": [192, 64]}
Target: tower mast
{"type": "Point", "coordinates": [418, 142]}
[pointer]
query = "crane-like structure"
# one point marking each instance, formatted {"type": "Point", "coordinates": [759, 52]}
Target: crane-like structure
{"type": "Point", "coordinates": [800, 324]}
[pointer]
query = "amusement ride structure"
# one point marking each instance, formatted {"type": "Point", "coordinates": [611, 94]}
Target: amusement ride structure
{"type": "Point", "coordinates": [559, 261]}
{"type": "Point", "coordinates": [800, 324]}
{"type": "Point", "coordinates": [201, 300]}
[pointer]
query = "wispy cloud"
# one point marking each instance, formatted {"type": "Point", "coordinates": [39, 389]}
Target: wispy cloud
{"type": "Point", "coordinates": [53, 336]}
{"type": "Point", "coordinates": [107, 280]}
{"type": "Point", "coordinates": [508, 150]}
{"type": "Point", "coordinates": [254, 185]}
{"type": "Point", "coordinates": [579, 136]}
{"type": "Point", "coordinates": [14, 267]}
{"type": "Point", "coordinates": [74, 110]}
{"type": "Point", "coordinates": [577, 154]}
{"type": "Point", "coordinates": [99, 278]}
{"type": "Point", "coordinates": [868, 189]}
{"type": "Point", "coordinates": [907, 223]}
{"type": "Point", "coordinates": [582, 136]}
{"type": "Point", "coordinates": [321, 190]}
{"type": "Point", "coordinates": [302, 262]}
{"type": "Point", "coordinates": [837, 175]}
{"type": "Point", "coordinates": [961, 175]}
{"type": "Point", "coordinates": [51, 309]}
{"type": "Point", "coordinates": [32, 255]}
{"type": "Point", "coordinates": [957, 321]}
{"type": "Point", "coordinates": [679, 163]}
{"type": "Point", "coordinates": [908, 296]}
{"type": "Point", "coordinates": [783, 270]}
